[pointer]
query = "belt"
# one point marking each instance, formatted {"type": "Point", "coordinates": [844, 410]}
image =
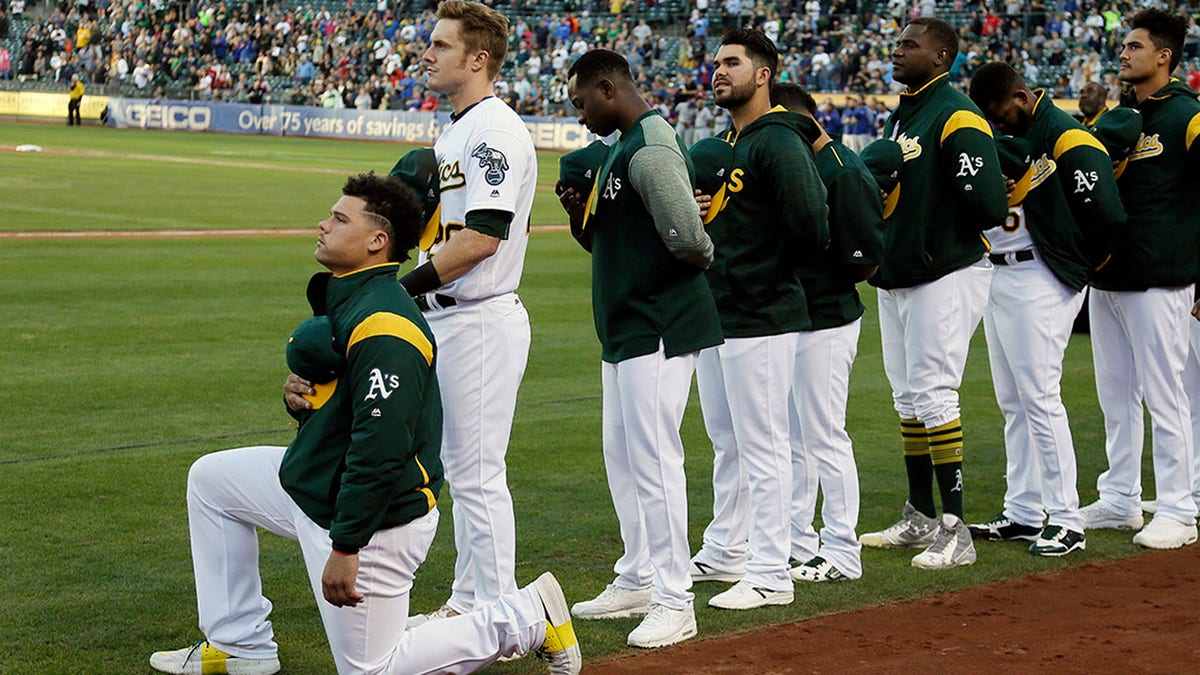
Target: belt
{"type": "Point", "coordinates": [439, 301]}
{"type": "Point", "coordinates": [1017, 257]}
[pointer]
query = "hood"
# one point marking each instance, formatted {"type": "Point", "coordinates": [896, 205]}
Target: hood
{"type": "Point", "coordinates": [1176, 87]}
{"type": "Point", "coordinates": [801, 124]}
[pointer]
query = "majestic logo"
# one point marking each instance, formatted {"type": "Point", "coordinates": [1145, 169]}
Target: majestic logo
{"type": "Point", "coordinates": [494, 161]}
{"type": "Point", "coordinates": [968, 165]}
{"type": "Point", "coordinates": [1085, 182]}
{"type": "Point", "coordinates": [910, 147]}
{"type": "Point", "coordinates": [1147, 146]}
{"type": "Point", "coordinates": [382, 384]}
{"type": "Point", "coordinates": [612, 185]}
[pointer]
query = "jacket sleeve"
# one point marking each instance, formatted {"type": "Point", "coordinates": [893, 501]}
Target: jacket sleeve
{"type": "Point", "coordinates": [973, 167]}
{"type": "Point", "coordinates": [388, 363]}
{"type": "Point", "coordinates": [788, 166]}
{"type": "Point", "coordinates": [1085, 172]}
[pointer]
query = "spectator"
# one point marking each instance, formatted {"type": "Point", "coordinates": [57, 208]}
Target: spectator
{"type": "Point", "coordinates": [5, 63]}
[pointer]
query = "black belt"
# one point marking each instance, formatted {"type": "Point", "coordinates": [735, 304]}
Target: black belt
{"type": "Point", "coordinates": [1002, 258]}
{"type": "Point", "coordinates": [443, 301]}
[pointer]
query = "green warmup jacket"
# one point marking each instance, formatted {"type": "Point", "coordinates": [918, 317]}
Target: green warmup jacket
{"type": "Point", "coordinates": [950, 191]}
{"type": "Point", "coordinates": [367, 457]}
{"type": "Point", "coordinates": [774, 221]}
{"type": "Point", "coordinates": [649, 248]}
{"type": "Point", "coordinates": [1069, 195]}
{"type": "Point", "coordinates": [1160, 246]}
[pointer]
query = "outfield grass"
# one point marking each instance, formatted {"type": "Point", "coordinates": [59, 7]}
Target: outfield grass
{"type": "Point", "coordinates": [124, 360]}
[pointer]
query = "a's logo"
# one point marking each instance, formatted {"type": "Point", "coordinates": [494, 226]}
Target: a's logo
{"type": "Point", "coordinates": [968, 165]}
{"type": "Point", "coordinates": [612, 185]}
{"type": "Point", "coordinates": [910, 147]}
{"type": "Point", "coordinates": [1041, 169]}
{"type": "Point", "coordinates": [494, 161]}
{"type": "Point", "coordinates": [1084, 182]}
{"type": "Point", "coordinates": [957, 481]}
{"type": "Point", "coordinates": [1147, 146]}
{"type": "Point", "coordinates": [382, 384]}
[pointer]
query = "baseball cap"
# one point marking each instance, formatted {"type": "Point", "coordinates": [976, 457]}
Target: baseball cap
{"type": "Point", "coordinates": [577, 169]}
{"type": "Point", "coordinates": [884, 159]}
{"type": "Point", "coordinates": [1118, 131]}
{"type": "Point", "coordinates": [713, 160]}
{"type": "Point", "coordinates": [419, 170]}
{"type": "Point", "coordinates": [1015, 157]}
{"type": "Point", "coordinates": [310, 352]}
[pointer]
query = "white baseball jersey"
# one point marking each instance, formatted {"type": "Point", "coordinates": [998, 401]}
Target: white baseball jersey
{"type": "Point", "coordinates": [486, 161]}
{"type": "Point", "coordinates": [1012, 235]}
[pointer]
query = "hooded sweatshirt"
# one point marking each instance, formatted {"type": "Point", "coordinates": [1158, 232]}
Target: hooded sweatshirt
{"type": "Point", "coordinates": [1160, 187]}
{"type": "Point", "coordinates": [773, 223]}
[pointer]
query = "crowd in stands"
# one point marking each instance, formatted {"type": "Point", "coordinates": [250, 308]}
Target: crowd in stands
{"type": "Point", "coordinates": [366, 54]}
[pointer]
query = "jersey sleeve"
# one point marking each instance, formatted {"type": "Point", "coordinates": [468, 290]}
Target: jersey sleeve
{"type": "Point", "coordinates": [788, 166]}
{"type": "Point", "coordinates": [389, 362]}
{"type": "Point", "coordinates": [856, 220]}
{"type": "Point", "coordinates": [1091, 190]}
{"type": "Point", "coordinates": [496, 162]}
{"type": "Point", "coordinates": [973, 167]}
{"type": "Point", "coordinates": [659, 175]}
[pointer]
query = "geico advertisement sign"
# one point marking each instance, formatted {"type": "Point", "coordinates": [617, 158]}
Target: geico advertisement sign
{"type": "Point", "coordinates": [167, 116]}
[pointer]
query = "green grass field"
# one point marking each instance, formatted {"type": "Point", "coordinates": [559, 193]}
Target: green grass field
{"type": "Point", "coordinates": [125, 359]}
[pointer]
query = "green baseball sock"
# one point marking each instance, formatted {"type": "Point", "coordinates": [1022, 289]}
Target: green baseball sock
{"type": "Point", "coordinates": [917, 465]}
{"type": "Point", "coordinates": [946, 454]}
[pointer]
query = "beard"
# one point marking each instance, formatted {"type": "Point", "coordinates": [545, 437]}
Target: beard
{"type": "Point", "coordinates": [738, 95]}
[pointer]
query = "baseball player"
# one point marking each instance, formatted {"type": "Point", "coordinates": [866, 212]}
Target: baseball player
{"type": "Point", "coordinates": [470, 267]}
{"type": "Point", "coordinates": [654, 312]}
{"type": "Point", "coordinates": [358, 485]}
{"type": "Point", "coordinates": [773, 221]}
{"type": "Point", "coordinates": [1139, 306]}
{"type": "Point", "coordinates": [1063, 214]}
{"type": "Point", "coordinates": [933, 283]}
{"type": "Point", "coordinates": [822, 453]}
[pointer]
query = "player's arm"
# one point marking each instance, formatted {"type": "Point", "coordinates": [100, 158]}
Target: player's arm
{"type": "Point", "coordinates": [1085, 172]}
{"type": "Point", "coordinates": [790, 169]}
{"type": "Point", "coordinates": [856, 209]}
{"type": "Point", "coordinates": [659, 174]}
{"type": "Point", "coordinates": [461, 253]}
{"type": "Point", "coordinates": [973, 168]}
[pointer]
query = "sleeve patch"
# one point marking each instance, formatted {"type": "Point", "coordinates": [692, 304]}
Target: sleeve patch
{"type": "Point", "coordinates": [386, 323]}
{"type": "Point", "coordinates": [1074, 138]}
{"type": "Point", "coordinates": [964, 119]}
{"type": "Point", "coordinates": [493, 162]}
{"type": "Point", "coordinates": [1193, 130]}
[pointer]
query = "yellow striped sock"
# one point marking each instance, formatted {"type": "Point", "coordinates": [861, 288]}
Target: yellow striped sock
{"type": "Point", "coordinates": [913, 437]}
{"type": "Point", "coordinates": [946, 443]}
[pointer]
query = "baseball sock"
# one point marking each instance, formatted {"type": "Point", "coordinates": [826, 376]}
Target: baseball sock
{"type": "Point", "coordinates": [946, 453]}
{"type": "Point", "coordinates": [916, 464]}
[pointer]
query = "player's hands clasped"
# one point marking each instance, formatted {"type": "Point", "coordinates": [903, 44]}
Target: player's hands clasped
{"type": "Point", "coordinates": [337, 581]}
{"type": "Point", "coordinates": [294, 390]}
{"type": "Point", "coordinates": [704, 202]}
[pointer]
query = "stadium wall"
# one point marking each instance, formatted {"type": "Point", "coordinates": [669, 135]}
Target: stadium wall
{"type": "Point", "coordinates": [38, 104]}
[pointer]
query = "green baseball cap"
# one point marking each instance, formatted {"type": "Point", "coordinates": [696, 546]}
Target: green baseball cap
{"type": "Point", "coordinates": [577, 169]}
{"type": "Point", "coordinates": [712, 159]}
{"type": "Point", "coordinates": [884, 159]}
{"type": "Point", "coordinates": [1118, 131]}
{"type": "Point", "coordinates": [419, 169]}
{"type": "Point", "coordinates": [310, 352]}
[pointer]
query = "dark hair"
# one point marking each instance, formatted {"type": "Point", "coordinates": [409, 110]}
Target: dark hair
{"type": "Point", "coordinates": [994, 82]}
{"type": "Point", "coordinates": [759, 47]}
{"type": "Point", "coordinates": [1167, 30]}
{"type": "Point", "coordinates": [596, 64]}
{"type": "Point", "coordinates": [397, 210]}
{"type": "Point", "coordinates": [942, 33]}
{"type": "Point", "coordinates": [793, 97]}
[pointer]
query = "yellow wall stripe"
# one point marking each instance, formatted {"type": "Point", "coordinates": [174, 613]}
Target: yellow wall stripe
{"type": "Point", "coordinates": [386, 323]}
{"type": "Point", "coordinates": [964, 119]}
{"type": "Point", "coordinates": [1193, 131]}
{"type": "Point", "coordinates": [1074, 138]}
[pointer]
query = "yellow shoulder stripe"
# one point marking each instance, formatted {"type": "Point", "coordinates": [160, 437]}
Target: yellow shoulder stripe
{"type": "Point", "coordinates": [1193, 131]}
{"type": "Point", "coordinates": [386, 323]}
{"type": "Point", "coordinates": [964, 119]}
{"type": "Point", "coordinates": [1074, 138]}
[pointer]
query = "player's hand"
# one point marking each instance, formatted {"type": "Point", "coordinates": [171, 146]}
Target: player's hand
{"type": "Point", "coordinates": [337, 581]}
{"type": "Point", "coordinates": [572, 202]}
{"type": "Point", "coordinates": [1009, 186]}
{"type": "Point", "coordinates": [704, 202]}
{"type": "Point", "coordinates": [1196, 310]}
{"type": "Point", "coordinates": [294, 391]}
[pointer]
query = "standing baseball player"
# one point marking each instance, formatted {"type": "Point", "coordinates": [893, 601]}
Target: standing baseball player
{"type": "Point", "coordinates": [933, 283]}
{"type": "Point", "coordinates": [654, 312]}
{"type": "Point", "coordinates": [1139, 307]}
{"type": "Point", "coordinates": [822, 453]}
{"type": "Point", "coordinates": [1064, 211]}
{"type": "Point", "coordinates": [358, 485]}
{"type": "Point", "coordinates": [772, 223]}
{"type": "Point", "coordinates": [469, 268]}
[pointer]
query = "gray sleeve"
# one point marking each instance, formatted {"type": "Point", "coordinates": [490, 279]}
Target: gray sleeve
{"type": "Point", "coordinates": [659, 174]}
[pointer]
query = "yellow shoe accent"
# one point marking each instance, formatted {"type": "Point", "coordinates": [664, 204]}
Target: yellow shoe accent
{"type": "Point", "coordinates": [559, 638]}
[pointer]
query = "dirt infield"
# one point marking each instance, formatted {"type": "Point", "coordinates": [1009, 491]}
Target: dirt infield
{"type": "Point", "coordinates": [1138, 615]}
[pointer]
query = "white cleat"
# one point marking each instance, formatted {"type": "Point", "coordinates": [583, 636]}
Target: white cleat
{"type": "Point", "coordinates": [663, 627]}
{"type": "Point", "coordinates": [745, 595]}
{"type": "Point", "coordinates": [614, 603]}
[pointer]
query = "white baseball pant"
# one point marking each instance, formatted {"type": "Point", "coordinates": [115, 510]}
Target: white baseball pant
{"type": "Point", "coordinates": [644, 401]}
{"type": "Point", "coordinates": [745, 386]}
{"type": "Point", "coordinates": [483, 347]}
{"type": "Point", "coordinates": [822, 453]}
{"type": "Point", "coordinates": [1028, 326]}
{"type": "Point", "coordinates": [231, 493]}
{"type": "Point", "coordinates": [1191, 380]}
{"type": "Point", "coordinates": [926, 332]}
{"type": "Point", "coordinates": [1139, 349]}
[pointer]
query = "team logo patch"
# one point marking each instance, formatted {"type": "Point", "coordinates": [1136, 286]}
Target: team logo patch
{"type": "Point", "coordinates": [382, 384]}
{"type": "Point", "coordinates": [968, 165]}
{"type": "Point", "coordinates": [1085, 182]}
{"type": "Point", "coordinates": [493, 161]}
{"type": "Point", "coordinates": [612, 186]}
